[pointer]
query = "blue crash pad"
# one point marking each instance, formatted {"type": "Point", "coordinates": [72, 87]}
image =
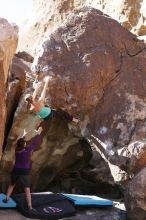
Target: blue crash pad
{"type": "Point", "coordinates": [9, 204]}
{"type": "Point", "coordinates": [87, 200]}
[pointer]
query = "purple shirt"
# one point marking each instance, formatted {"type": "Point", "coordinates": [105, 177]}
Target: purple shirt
{"type": "Point", "coordinates": [23, 157]}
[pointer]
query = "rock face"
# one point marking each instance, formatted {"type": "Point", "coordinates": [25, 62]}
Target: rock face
{"type": "Point", "coordinates": [135, 196]}
{"type": "Point", "coordinates": [16, 85]}
{"type": "Point", "coordinates": [98, 80]}
{"type": "Point", "coordinates": [48, 15]}
{"type": "Point", "coordinates": [137, 150]}
{"type": "Point", "coordinates": [8, 43]}
{"type": "Point", "coordinates": [97, 74]}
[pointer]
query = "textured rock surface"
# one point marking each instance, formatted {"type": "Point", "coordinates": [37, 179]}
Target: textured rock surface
{"type": "Point", "coordinates": [48, 15]}
{"type": "Point", "coordinates": [101, 80]}
{"type": "Point", "coordinates": [135, 196]}
{"type": "Point", "coordinates": [16, 85]}
{"type": "Point", "coordinates": [137, 151]}
{"type": "Point", "coordinates": [8, 43]}
{"type": "Point", "coordinates": [130, 13]}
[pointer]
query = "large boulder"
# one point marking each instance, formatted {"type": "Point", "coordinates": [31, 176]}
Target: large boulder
{"type": "Point", "coordinates": [135, 196]}
{"type": "Point", "coordinates": [8, 44]}
{"type": "Point", "coordinates": [100, 78]}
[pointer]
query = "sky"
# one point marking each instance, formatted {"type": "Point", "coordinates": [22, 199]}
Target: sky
{"type": "Point", "coordinates": [15, 11]}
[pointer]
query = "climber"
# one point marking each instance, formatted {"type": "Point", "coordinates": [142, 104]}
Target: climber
{"type": "Point", "coordinates": [39, 107]}
{"type": "Point", "coordinates": [22, 166]}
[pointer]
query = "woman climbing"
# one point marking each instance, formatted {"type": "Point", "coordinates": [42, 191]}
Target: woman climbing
{"type": "Point", "coordinates": [22, 166]}
{"type": "Point", "coordinates": [38, 105]}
